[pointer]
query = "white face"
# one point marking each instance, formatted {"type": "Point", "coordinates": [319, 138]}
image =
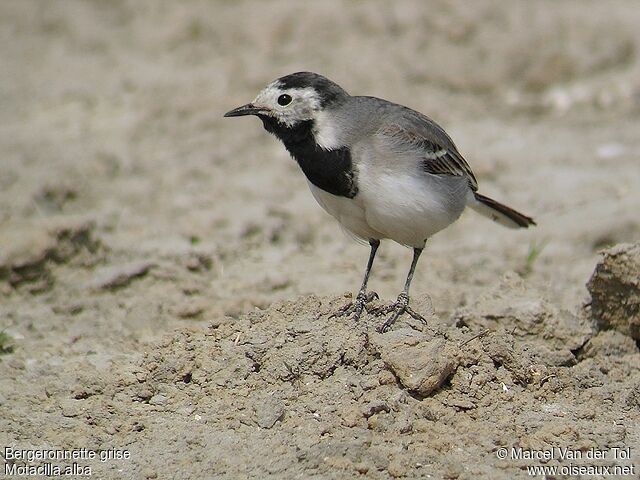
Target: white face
{"type": "Point", "coordinates": [288, 106]}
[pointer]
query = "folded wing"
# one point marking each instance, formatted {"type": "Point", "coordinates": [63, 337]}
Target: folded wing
{"type": "Point", "coordinates": [412, 131]}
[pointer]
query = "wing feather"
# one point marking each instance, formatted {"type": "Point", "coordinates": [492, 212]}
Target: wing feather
{"type": "Point", "coordinates": [417, 132]}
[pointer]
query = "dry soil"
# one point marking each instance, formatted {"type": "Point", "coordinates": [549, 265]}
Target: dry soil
{"type": "Point", "coordinates": [167, 281]}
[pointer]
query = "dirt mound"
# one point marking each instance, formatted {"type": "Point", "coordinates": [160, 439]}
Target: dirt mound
{"type": "Point", "coordinates": [615, 290]}
{"type": "Point", "coordinates": [323, 396]}
{"type": "Point", "coordinates": [294, 391]}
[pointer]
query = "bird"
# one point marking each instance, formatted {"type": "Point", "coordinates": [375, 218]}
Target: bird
{"type": "Point", "coordinates": [382, 170]}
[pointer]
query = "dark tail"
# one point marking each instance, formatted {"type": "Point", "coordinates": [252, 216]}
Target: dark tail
{"type": "Point", "coordinates": [500, 213]}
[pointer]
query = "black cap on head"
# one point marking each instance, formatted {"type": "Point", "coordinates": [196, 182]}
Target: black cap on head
{"type": "Point", "coordinates": [328, 90]}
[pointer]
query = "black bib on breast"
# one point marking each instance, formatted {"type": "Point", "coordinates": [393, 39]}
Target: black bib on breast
{"type": "Point", "coordinates": [329, 170]}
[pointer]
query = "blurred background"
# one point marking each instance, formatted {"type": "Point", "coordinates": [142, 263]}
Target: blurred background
{"type": "Point", "coordinates": [112, 131]}
{"type": "Point", "coordinates": [130, 208]}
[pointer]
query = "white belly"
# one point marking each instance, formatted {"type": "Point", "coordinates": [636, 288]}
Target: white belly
{"type": "Point", "coordinates": [405, 208]}
{"type": "Point", "coordinates": [410, 208]}
{"type": "Point", "coordinates": [348, 211]}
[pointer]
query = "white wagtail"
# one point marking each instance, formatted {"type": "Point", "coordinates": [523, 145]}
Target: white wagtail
{"type": "Point", "coordinates": [381, 169]}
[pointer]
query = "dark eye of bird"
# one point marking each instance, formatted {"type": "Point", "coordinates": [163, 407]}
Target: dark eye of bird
{"type": "Point", "coordinates": [284, 99]}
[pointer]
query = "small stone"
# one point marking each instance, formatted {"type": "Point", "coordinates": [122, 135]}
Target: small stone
{"type": "Point", "coordinates": [374, 407]}
{"type": "Point", "coordinates": [362, 468]}
{"type": "Point", "coordinates": [269, 412]}
{"type": "Point", "coordinates": [81, 392]}
{"type": "Point", "coordinates": [421, 364]}
{"type": "Point", "coordinates": [144, 394]}
{"type": "Point", "coordinates": [385, 377]}
{"type": "Point", "coordinates": [158, 400]}
{"type": "Point", "coordinates": [380, 423]}
{"type": "Point", "coordinates": [403, 426]}
{"type": "Point", "coordinates": [352, 417]}
{"type": "Point", "coordinates": [186, 411]}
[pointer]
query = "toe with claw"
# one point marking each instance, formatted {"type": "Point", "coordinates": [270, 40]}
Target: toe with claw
{"type": "Point", "coordinates": [398, 308]}
{"type": "Point", "coordinates": [356, 307]}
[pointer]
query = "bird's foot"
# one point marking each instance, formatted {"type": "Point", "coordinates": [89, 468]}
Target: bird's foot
{"type": "Point", "coordinates": [356, 307]}
{"type": "Point", "coordinates": [398, 308]}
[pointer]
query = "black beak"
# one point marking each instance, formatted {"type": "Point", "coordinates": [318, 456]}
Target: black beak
{"type": "Point", "coordinates": [248, 109]}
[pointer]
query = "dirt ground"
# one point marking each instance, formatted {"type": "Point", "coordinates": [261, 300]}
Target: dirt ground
{"type": "Point", "coordinates": [167, 281]}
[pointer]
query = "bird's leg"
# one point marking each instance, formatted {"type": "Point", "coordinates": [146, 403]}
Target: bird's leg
{"type": "Point", "coordinates": [402, 303]}
{"type": "Point", "coordinates": [362, 298]}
